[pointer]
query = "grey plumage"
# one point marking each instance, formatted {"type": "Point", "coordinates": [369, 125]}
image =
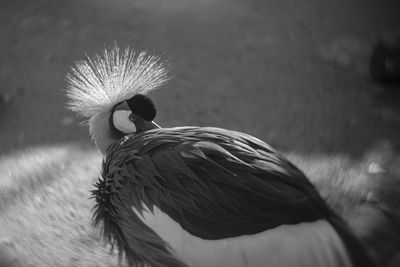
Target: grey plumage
{"type": "Point", "coordinates": [245, 187]}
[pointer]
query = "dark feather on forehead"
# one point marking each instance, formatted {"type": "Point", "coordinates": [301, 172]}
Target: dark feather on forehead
{"type": "Point", "coordinates": [142, 106]}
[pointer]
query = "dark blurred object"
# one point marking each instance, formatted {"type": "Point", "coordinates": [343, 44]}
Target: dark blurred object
{"type": "Point", "coordinates": [8, 95]}
{"type": "Point", "coordinates": [385, 62]}
{"type": "Point", "coordinates": [5, 98]}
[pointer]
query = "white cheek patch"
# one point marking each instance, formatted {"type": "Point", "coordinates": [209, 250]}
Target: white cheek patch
{"type": "Point", "coordinates": [122, 122]}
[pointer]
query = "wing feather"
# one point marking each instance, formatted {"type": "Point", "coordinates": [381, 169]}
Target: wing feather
{"type": "Point", "coordinates": [215, 183]}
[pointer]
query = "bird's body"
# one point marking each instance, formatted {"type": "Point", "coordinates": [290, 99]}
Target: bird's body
{"type": "Point", "coordinates": [197, 196]}
{"type": "Point", "coordinates": [216, 197]}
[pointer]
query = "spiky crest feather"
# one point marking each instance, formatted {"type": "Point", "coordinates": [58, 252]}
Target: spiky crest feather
{"type": "Point", "coordinates": [96, 85]}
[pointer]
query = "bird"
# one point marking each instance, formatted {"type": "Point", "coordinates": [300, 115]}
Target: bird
{"type": "Point", "coordinates": [196, 196]}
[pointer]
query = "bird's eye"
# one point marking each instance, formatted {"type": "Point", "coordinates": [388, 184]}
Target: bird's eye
{"type": "Point", "coordinates": [132, 118]}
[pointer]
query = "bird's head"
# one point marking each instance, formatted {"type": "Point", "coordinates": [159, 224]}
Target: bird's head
{"type": "Point", "coordinates": [110, 91]}
{"type": "Point", "coordinates": [134, 115]}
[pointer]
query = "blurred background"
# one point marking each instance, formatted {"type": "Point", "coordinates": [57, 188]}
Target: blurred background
{"type": "Point", "coordinates": [292, 73]}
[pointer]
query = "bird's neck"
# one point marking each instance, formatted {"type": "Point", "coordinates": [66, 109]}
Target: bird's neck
{"type": "Point", "coordinates": [101, 132]}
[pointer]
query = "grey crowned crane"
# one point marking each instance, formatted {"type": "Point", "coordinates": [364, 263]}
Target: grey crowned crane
{"type": "Point", "coordinates": [196, 196]}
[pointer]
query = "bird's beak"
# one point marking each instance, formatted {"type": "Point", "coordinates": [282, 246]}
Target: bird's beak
{"type": "Point", "coordinates": [155, 125]}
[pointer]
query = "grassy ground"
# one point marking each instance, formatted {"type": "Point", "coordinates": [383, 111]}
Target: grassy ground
{"type": "Point", "coordinates": [293, 73]}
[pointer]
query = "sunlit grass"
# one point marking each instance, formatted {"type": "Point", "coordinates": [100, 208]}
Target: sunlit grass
{"type": "Point", "coordinates": [45, 210]}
